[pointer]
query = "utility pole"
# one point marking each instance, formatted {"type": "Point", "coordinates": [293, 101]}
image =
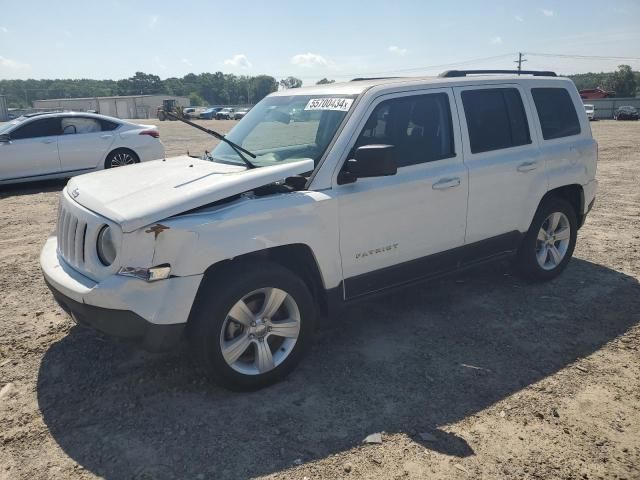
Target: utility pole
{"type": "Point", "coordinates": [519, 61]}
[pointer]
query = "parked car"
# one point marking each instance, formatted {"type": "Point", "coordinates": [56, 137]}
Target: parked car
{"type": "Point", "coordinates": [626, 113]}
{"type": "Point", "coordinates": [64, 144]}
{"type": "Point", "coordinates": [189, 112]}
{"type": "Point", "coordinates": [225, 114]}
{"type": "Point", "coordinates": [590, 111]}
{"type": "Point", "coordinates": [387, 182]}
{"type": "Point", "coordinates": [209, 113]}
{"type": "Point", "coordinates": [239, 114]}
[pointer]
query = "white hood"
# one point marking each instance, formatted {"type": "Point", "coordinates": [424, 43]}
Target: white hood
{"type": "Point", "coordinates": [137, 195]}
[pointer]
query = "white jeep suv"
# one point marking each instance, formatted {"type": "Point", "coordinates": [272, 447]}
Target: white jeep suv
{"type": "Point", "coordinates": [382, 183]}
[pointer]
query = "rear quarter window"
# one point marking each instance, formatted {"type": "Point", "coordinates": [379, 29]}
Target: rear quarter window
{"type": "Point", "coordinates": [557, 114]}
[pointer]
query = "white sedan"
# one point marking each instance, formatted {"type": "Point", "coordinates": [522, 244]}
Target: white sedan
{"type": "Point", "coordinates": [64, 144]}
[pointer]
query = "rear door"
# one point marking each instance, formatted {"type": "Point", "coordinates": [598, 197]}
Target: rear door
{"type": "Point", "coordinates": [506, 172]}
{"type": "Point", "coordinates": [85, 142]}
{"type": "Point", "coordinates": [32, 151]}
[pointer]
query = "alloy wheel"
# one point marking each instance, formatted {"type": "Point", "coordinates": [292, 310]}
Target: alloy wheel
{"type": "Point", "coordinates": [121, 159]}
{"type": "Point", "coordinates": [553, 240]}
{"type": "Point", "coordinates": [260, 331]}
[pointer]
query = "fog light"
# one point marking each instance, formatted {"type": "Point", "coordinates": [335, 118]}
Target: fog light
{"type": "Point", "coordinates": [159, 272]}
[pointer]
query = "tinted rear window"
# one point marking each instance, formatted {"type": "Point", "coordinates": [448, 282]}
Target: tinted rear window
{"type": "Point", "coordinates": [495, 119]}
{"type": "Point", "coordinates": [558, 117]}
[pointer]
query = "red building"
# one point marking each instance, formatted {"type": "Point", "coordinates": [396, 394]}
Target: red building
{"type": "Point", "coordinates": [591, 93]}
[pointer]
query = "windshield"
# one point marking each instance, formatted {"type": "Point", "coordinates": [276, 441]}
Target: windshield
{"type": "Point", "coordinates": [285, 129]}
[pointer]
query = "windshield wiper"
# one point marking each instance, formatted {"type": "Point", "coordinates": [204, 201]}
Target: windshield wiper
{"type": "Point", "coordinates": [236, 148]}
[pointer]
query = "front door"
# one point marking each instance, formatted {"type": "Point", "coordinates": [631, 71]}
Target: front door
{"type": "Point", "coordinates": [32, 150]}
{"type": "Point", "coordinates": [393, 229]}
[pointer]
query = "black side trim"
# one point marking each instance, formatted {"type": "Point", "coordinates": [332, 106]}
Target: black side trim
{"type": "Point", "coordinates": [46, 174]}
{"type": "Point", "coordinates": [433, 265]}
{"type": "Point", "coordinates": [122, 324]}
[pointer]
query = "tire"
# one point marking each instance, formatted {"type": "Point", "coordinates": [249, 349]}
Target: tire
{"type": "Point", "coordinates": [213, 333]}
{"type": "Point", "coordinates": [120, 158]}
{"type": "Point", "coordinates": [542, 257]}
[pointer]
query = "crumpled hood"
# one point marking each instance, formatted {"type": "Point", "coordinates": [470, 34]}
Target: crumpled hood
{"type": "Point", "coordinates": [137, 195]}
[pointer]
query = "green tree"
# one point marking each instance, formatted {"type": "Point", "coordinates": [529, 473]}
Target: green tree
{"type": "Point", "coordinates": [291, 82]}
{"type": "Point", "coordinates": [324, 81]}
{"type": "Point", "coordinates": [195, 100]}
{"type": "Point", "coordinates": [624, 82]}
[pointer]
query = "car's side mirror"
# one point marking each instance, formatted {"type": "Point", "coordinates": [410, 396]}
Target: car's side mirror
{"type": "Point", "coordinates": [5, 138]}
{"type": "Point", "coordinates": [369, 161]}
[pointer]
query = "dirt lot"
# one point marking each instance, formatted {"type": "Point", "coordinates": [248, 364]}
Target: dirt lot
{"type": "Point", "coordinates": [480, 376]}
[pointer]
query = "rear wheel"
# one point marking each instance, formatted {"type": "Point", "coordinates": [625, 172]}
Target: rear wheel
{"type": "Point", "coordinates": [121, 158]}
{"type": "Point", "coordinates": [550, 241]}
{"type": "Point", "coordinates": [251, 329]}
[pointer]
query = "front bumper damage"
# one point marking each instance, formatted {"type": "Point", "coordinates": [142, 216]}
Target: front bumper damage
{"type": "Point", "coordinates": [152, 315]}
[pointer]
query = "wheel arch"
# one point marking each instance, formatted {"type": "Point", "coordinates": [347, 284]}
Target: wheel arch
{"type": "Point", "coordinates": [574, 194]}
{"type": "Point", "coordinates": [298, 258]}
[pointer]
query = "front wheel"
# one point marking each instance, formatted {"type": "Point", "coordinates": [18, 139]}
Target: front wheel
{"type": "Point", "coordinates": [251, 329]}
{"type": "Point", "coordinates": [550, 241]}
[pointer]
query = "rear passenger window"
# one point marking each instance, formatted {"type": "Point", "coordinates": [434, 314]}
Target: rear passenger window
{"type": "Point", "coordinates": [495, 119]}
{"type": "Point", "coordinates": [418, 126]}
{"type": "Point", "coordinates": [557, 114]}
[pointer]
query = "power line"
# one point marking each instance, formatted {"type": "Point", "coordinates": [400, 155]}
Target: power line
{"type": "Point", "coordinates": [593, 57]}
{"type": "Point", "coordinates": [412, 69]}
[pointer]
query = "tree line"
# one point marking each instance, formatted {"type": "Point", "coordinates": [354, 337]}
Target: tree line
{"type": "Point", "coordinates": [227, 89]}
{"type": "Point", "coordinates": [202, 89]}
{"type": "Point", "coordinates": [624, 81]}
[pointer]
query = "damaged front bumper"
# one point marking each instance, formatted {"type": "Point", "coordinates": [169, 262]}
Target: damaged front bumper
{"type": "Point", "coordinates": [151, 314]}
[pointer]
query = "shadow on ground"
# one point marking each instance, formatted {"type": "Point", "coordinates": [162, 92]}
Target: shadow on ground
{"type": "Point", "coordinates": [44, 186]}
{"type": "Point", "coordinates": [409, 362]}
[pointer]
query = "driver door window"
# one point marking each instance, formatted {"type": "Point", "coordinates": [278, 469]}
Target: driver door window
{"type": "Point", "coordinates": [418, 126]}
{"type": "Point", "coordinates": [45, 127]}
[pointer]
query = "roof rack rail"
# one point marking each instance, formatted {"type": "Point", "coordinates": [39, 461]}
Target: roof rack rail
{"type": "Point", "coordinates": [464, 73]}
{"type": "Point", "coordinates": [372, 78]}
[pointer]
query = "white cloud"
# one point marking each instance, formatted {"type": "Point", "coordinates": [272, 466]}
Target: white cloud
{"type": "Point", "coordinates": [309, 60]}
{"type": "Point", "coordinates": [12, 65]}
{"type": "Point", "coordinates": [239, 60]}
{"type": "Point", "coordinates": [4, 29]}
{"type": "Point", "coordinates": [397, 50]}
{"type": "Point", "coordinates": [186, 61]}
{"type": "Point", "coordinates": [153, 21]}
{"type": "Point", "coordinates": [497, 40]}
{"type": "Point", "coordinates": [519, 18]}
{"type": "Point", "coordinates": [547, 12]}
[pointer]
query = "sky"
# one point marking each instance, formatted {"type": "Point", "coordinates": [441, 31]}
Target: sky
{"type": "Point", "coordinates": [310, 40]}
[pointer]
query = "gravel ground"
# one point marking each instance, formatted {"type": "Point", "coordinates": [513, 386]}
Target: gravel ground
{"type": "Point", "coordinates": [479, 376]}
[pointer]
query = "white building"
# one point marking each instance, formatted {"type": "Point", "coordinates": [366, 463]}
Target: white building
{"type": "Point", "coordinates": [129, 106]}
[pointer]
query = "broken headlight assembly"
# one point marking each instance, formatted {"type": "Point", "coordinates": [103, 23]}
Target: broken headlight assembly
{"type": "Point", "coordinates": [152, 274]}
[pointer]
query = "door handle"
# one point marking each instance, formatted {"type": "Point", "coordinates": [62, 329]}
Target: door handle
{"type": "Point", "coordinates": [446, 183]}
{"type": "Point", "coordinates": [106, 136]}
{"type": "Point", "coordinates": [48, 140]}
{"type": "Point", "coordinates": [527, 166]}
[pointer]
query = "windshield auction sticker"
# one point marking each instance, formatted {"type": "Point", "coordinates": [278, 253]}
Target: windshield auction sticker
{"type": "Point", "coordinates": [339, 104]}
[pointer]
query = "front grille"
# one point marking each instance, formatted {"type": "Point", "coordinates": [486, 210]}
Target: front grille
{"type": "Point", "coordinates": [72, 234]}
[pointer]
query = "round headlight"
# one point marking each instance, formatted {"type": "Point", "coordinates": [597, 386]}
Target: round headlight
{"type": "Point", "coordinates": [106, 246]}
